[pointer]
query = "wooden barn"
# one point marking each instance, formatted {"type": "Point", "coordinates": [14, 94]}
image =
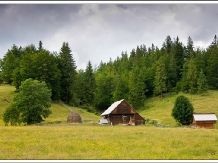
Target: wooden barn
{"type": "Point", "coordinates": [204, 120]}
{"type": "Point", "coordinates": [121, 112]}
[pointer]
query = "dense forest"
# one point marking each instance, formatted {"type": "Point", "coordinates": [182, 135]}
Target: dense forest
{"type": "Point", "coordinates": [143, 73]}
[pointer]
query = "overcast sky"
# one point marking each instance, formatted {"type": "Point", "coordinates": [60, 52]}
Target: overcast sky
{"type": "Point", "coordinates": [99, 31]}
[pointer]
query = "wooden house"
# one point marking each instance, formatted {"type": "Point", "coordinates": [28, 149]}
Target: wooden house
{"type": "Point", "coordinates": [120, 112]}
{"type": "Point", "coordinates": [204, 120]}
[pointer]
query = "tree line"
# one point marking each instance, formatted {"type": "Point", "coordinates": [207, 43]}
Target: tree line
{"type": "Point", "coordinates": [143, 73]}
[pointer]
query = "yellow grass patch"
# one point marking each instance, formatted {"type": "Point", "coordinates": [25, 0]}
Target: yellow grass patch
{"type": "Point", "coordinates": [75, 142]}
{"type": "Point", "coordinates": [95, 142]}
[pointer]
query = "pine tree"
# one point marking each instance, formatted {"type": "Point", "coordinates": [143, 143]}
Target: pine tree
{"type": "Point", "coordinates": [67, 67]}
{"type": "Point", "coordinates": [192, 76]}
{"type": "Point", "coordinates": [160, 79]}
{"type": "Point", "coordinates": [184, 82]}
{"type": "Point", "coordinates": [121, 88]}
{"type": "Point", "coordinates": [104, 91]}
{"type": "Point", "coordinates": [189, 48]}
{"type": "Point", "coordinates": [202, 82]}
{"type": "Point", "coordinates": [40, 46]}
{"type": "Point", "coordinates": [81, 87]}
{"type": "Point", "coordinates": [214, 42]}
{"type": "Point", "coordinates": [212, 67]}
{"type": "Point", "coordinates": [89, 83]}
{"type": "Point", "coordinates": [179, 57]}
{"type": "Point", "coordinates": [171, 71]}
{"type": "Point", "coordinates": [137, 87]}
{"type": "Point", "coordinates": [168, 43]}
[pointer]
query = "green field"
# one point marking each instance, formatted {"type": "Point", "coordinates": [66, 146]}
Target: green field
{"type": "Point", "coordinates": [160, 110]}
{"type": "Point", "coordinates": [89, 141]}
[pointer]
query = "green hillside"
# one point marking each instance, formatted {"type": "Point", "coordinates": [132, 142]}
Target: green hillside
{"type": "Point", "coordinates": [160, 110]}
{"type": "Point", "coordinates": [59, 112]}
{"type": "Point", "coordinates": [154, 108]}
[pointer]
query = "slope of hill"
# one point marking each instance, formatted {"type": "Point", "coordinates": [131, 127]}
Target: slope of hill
{"type": "Point", "coordinates": [59, 112]}
{"type": "Point", "coordinates": [154, 108]}
{"type": "Point", "coordinates": [160, 110]}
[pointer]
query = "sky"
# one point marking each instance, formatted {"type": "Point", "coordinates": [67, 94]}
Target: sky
{"type": "Point", "coordinates": [98, 31]}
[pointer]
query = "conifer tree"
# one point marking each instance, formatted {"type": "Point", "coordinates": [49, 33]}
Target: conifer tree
{"type": "Point", "coordinates": [189, 48]}
{"type": "Point", "coordinates": [89, 84]}
{"type": "Point", "coordinates": [40, 45]}
{"type": "Point", "coordinates": [179, 57]}
{"type": "Point", "coordinates": [202, 82]}
{"type": "Point", "coordinates": [192, 76]}
{"type": "Point", "coordinates": [10, 62]}
{"type": "Point", "coordinates": [212, 67]}
{"type": "Point", "coordinates": [104, 91]}
{"type": "Point", "coordinates": [215, 41]}
{"type": "Point", "coordinates": [80, 87]}
{"type": "Point", "coordinates": [183, 110]}
{"type": "Point", "coordinates": [137, 87]}
{"type": "Point", "coordinates": [67, 67]}
{"type": "Point", "coordinates": [160, 79]}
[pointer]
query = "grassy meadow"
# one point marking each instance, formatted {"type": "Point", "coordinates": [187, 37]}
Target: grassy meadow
{"type": "Point", "coordinates": [160, 110]}
{"type": "Point", "coordinates": [89, 141]}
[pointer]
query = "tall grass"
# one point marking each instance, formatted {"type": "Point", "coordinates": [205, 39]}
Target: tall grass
{"type": "Point", "coordinates": [78, 142]}
{"type": "Point", "coordinates": [94, 142]}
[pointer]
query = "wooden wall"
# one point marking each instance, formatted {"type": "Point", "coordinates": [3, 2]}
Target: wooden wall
{"type": "Point", "coordinates": [125, 119]}
{"type": "Point", "coordinates": [204, 124]}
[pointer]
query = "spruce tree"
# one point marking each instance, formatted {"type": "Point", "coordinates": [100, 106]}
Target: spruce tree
{"type": "Point", "coordinates": [189, 48]}
{"type": "Point", "coordinates": [80, 87]}
{"type": "Point", "coordinates": [202, 82]}
{"type": "Point", "coordinates": [212, 68]}
{"type": "Point", "coordinates": [89, 83]}
{"type": "Point", "coordinates": [179, 57]}
{"type": "Point", "coordinates": [104, 91]}
{"type": "Point", "coordinates": [67, 67]}
{"type": "Point", "coordinates": [192, 76]}
{"type": "Point", "coordinates": [215, 41]}
{"type": "Point", "coordinates": [40, 46]}
{"type": "Point", "coordinates": [160, 79]}
{"type": "Point", "coordinates": [137, 87]}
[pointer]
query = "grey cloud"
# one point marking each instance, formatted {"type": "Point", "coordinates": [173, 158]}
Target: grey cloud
{"type": "Point", "coordinates": [122, 6]}
{"type": "Point", "coordinates": [31, 20]}
{"type": "Point", "coordinates": [99, 31]}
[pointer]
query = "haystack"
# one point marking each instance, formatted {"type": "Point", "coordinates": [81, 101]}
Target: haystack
{"type": "Point", "coordinates": [74, 117]}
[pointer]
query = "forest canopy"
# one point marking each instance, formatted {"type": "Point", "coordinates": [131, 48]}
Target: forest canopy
{"type": "Point", "coordinates": [143, 73]}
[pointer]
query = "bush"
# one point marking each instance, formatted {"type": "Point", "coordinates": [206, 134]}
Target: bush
{"type": "Point", "coordinates": [183, 110]}
{"type": "Point", "coordinates": [151, 121]}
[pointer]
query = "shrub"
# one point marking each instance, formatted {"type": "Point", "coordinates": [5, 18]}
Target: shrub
{"type": "Point", "coordinates": [183, 110]}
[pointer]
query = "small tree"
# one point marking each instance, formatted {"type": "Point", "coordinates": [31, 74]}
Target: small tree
{"type": "Point", "coordinates": [30, 104]}
{"type": "Point", "coordinates": [11, 115]}
{"type": "Point", "coordinates": [183, 110]}
{"type": "Point", "coordinates": [202, 82]}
